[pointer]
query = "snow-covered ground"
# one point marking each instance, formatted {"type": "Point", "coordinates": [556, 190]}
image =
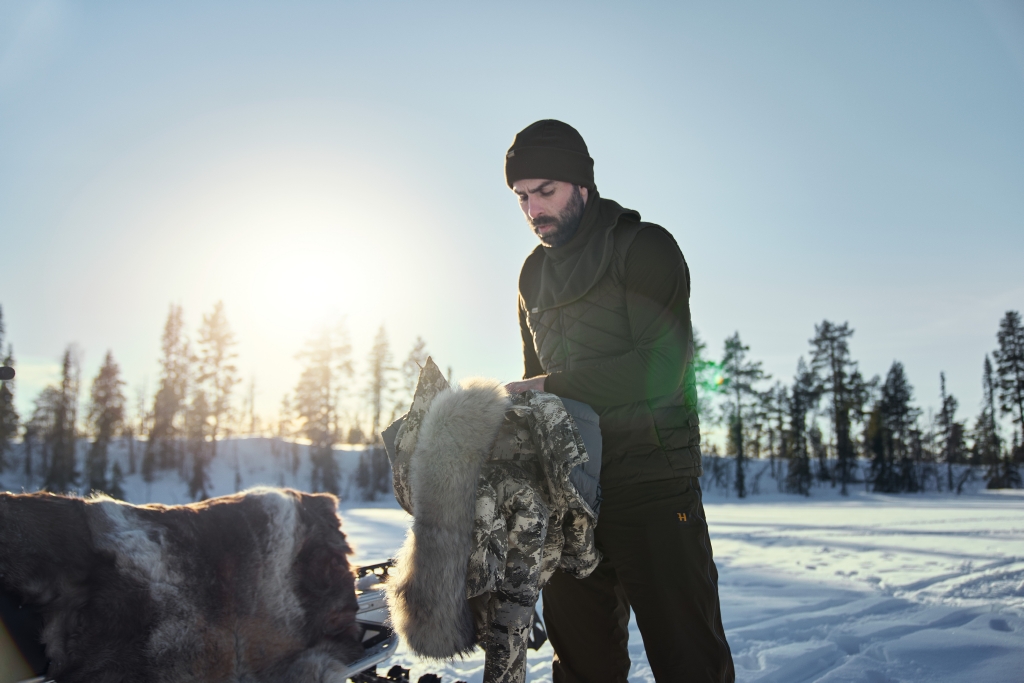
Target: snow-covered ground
{"type": "Point", "coordinates": [870, 588]}
{"type": "Point", "coordinates": [867, 588]}
{"type": "Point", "coordinates": [873, 588]}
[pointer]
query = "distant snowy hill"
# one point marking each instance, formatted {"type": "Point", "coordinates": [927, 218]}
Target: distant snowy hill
{"type": "Point", "coordinates": [240, 463]}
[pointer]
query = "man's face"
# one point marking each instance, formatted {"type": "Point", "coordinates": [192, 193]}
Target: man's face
{"type": "Point", "coordinates": [553, 208]}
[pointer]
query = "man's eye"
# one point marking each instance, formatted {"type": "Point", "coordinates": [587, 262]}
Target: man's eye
{"type": "Point", "coordinates": [546, 193]}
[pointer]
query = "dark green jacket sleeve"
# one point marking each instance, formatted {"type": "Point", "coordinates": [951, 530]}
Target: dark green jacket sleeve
{"type": "Point", "coordinates": [658, 306]}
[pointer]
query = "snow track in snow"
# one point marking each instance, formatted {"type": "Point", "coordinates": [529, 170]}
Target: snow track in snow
{"type": "Point", "coordinates": [872, 589]}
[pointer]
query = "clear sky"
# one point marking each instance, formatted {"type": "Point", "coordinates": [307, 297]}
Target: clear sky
{"type": "Point", "coordinates": [306, 161]}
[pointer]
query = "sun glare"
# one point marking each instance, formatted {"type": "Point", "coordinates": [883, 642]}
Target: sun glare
{"type": "Point", "coordinates": [299, 247]}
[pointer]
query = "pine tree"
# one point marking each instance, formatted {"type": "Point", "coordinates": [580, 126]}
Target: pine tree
{"type": "Point", "coordinates": [328, 364]}
{"type": "Point", "coordinates": [830, 359]}
{"type": "Point", "coordinates": [819, 451]}
{"type": "Point", "coordinates": [364, 476]}
{"type": "Point", "coordinates": [708, 375]}
{"type": "Point", "coordinates": [380, 368]}
{"type": "Point", "coordinates": [803, 398]}
{"type": "Point", "coordinates": [776, 405]}
{"type": "Point", "coordinates": [876, 439]}
{"type": "Point", "coordinates": [285, 431]}
{"type": "Point", "coordinates": [1010, 367]}
{"type": "Point", "coordinates": [198, 431]}
{"type": "Point", "coordinates": [379, 392]}
{"type": "Point", "coordinates": [958, 451]}
{"type": "Point", "coordinates": [411, 372]}
{"type": "Point", "coordinates": [9, 419]}
{"type": "Point", "coordinates": [163, 449]}
{"type": "Point", "coordinates": [758, 413]}
{"type": "Point", "coordinates": [986, 448]}
{"type": "Point", "coordinates": [739, 377]}
{"type": "Point", "coordinates": [39, 430]}
{"type": "Point", "coordinates": [62, 474]}
{"type": "Point", "coordinates": [141, 419]}
{"type": "Point", "coordinates": [116, 482]}
{"type": "Point", "coordinates": [217, 370]}
{"type": "Point", "coordinates": [285, 418]}
{"type": "Point", "coordinates": [250, 408]}
{"type": "Point", "coordinates": [898, 419]}
{"type": "Point", "coordinates": [106, 416]}
{"type": "Point", "coordinates": [1009, 388]}
{"type": "Point", "coordinates": [951, 433]}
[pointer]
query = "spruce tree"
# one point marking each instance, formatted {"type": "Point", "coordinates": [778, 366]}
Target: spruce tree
{"type": "Point", "coordinates": [140, 421]}
{"type": "Point", "coordinates": [411, 372]}
{"type": "Point", "coordinates": [776, 405]}
{"type": "Point", "coordinates": [106, 416]}
{"type": "Point", "coordinates": [116, 482]}
{"type": "Point", "coordinates": [364, 476]}
{"type": "Point", "coordinates": [285, 432]}
{"type": "Point", "coordinates": [898, 419]}
{"type": "Point", "coordinates": [1001, 472]}
{"type": "Point", "coordinates": [803, 398]}
{"type": "Point", "coordinates": [986, 449]}
{"type": "Point", "coordinates": [327, 361]}
{"type": "Point", "coordinates": [841, 380]}
{"type": "Point", "coordinates": [39, 431]}
{"type": "Point", "coordinates": [9, 420]}
{"type": "Point", "coordinates": [819, 452]}
{"type": "Point", "coordinates": [379, 391]}
{"type": "Point", "coordinates": [876, 440]}
{"type": "Point", "coordinates": [62, 473]}
{"type": "Point", "coordinates": [380, 369]}
{"type": "Point", "coordinates": [8, 413]}
{"type": "Point", "coordinates": [951, 432]}
{"type": "Point", "coordinates": [249, 409]}
{"type": "Point", "coordinates": [217, 370]}
{"type": "Point", "coordinates": [163, 450]}
{"type": "Point", "coordinates": [758, 421]}
{"type": "Point", "coordinates": [198, 446]}
{"type": "Point", "coordinates": [708, 374]}
{"type": "Point", "coordinates": [1010, 367]}
{"type": "Point", "coordinates": [739, 377]}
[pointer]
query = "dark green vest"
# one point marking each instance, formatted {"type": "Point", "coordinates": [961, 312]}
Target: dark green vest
{"type": "Point", "coordinates": [650, 440]}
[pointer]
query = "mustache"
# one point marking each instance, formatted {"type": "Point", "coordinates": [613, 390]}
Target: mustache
{"type": "Point", "coordinates": [543, 220]}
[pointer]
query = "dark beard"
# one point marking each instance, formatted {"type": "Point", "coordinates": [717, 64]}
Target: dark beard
{"type": "Point", "coordinates": [566, 223]}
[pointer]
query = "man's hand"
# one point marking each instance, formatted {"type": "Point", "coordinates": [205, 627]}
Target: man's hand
{"type": "Point", "coordinates": [534, 383]}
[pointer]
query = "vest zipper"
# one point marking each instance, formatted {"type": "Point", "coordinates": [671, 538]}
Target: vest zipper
{"type": "Point", "coordinates": [565, 337]}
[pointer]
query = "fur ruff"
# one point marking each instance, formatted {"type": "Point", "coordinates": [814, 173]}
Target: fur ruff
{"type": "Point", "coordinates": [427, 593]}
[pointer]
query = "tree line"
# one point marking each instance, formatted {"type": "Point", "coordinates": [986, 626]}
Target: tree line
{"type": "Point", "coordinates": [872, 421]}
{"type": "Point", "coordinates": [877, 436]}
{"type": "Point", "coordinates": [197, 404]}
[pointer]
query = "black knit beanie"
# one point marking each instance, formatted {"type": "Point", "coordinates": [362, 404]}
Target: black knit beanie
{"type": "Point", "coordinates": [551, 150]}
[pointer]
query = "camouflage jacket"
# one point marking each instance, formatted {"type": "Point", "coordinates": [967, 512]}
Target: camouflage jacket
{"type": "Point", "coordinates": [529, 519]}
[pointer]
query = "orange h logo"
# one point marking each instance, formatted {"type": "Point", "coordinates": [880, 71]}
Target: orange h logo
{"type": "Point", "coordinates": [681, 516]}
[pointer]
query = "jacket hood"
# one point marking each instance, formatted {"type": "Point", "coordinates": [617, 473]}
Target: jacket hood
{"type": "Point", "coordinates": [427, 595]}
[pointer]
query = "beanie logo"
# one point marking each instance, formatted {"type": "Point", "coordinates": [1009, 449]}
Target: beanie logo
{"type": "Point", "coordinates": [511, 153]}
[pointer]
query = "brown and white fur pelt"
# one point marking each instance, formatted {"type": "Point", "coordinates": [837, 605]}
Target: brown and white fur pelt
{"type": "Point", "coordinates": [251, 587]}
{"type": "Point", "coordinates": [427, 591]}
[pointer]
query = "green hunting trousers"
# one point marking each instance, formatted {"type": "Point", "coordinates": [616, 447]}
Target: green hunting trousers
{"type": "Point", "coordinates": [657, 560]}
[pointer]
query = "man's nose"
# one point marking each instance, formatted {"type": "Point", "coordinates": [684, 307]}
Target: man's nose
{"type": "Point", "coordinates": [533, 209]}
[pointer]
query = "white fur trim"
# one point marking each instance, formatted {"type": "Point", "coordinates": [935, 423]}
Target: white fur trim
{"type": "Point", "coordinates": [427, 594]}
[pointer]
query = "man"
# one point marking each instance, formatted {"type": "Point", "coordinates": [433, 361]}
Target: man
{"type": "Point", "coordinates": [605, 319]}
